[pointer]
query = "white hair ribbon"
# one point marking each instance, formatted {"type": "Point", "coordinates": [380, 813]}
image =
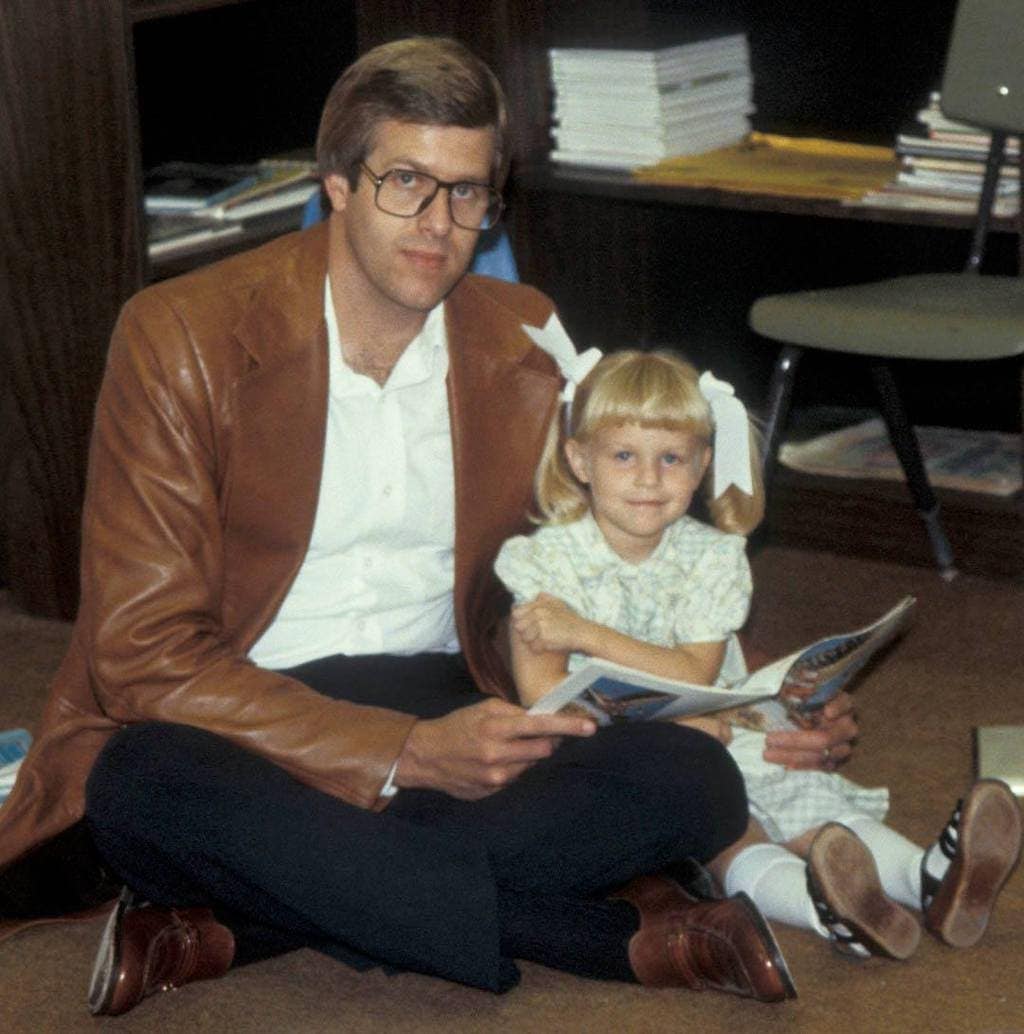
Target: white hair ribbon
{"type": "Point", "coordinates": [732, 435]}
{"type": "Point", "coordinates": [573, 366]}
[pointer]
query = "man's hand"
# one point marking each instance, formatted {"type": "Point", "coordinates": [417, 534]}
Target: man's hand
{"type": "Point", "coordinates": [477, 750]}
{"type": "Point", "coordinates": [824, 747]}
{"type": "Point", "coordinates": [547, 623]}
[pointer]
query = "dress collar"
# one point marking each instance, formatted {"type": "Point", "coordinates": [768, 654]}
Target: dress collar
{"type": "Point", "coordinates": [601, 556]}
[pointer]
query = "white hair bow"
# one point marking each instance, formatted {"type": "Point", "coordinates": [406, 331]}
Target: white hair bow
{"type": "Point", "coordinates": [573, 366]}
{"type": "Point", "coordinates": [732, 435]}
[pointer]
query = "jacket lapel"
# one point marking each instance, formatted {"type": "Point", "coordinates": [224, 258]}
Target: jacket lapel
{"type": "Point", "coordinates": [502, 393]}
{"type": "Point", "coordinates": [277, 443]}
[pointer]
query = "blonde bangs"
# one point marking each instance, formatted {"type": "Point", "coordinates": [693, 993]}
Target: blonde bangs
{"type": "Point", "coordinates": [653, 389]}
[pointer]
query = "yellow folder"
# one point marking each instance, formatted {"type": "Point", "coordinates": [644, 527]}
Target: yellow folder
{"type": "Point", "coordinates": [782, 166]}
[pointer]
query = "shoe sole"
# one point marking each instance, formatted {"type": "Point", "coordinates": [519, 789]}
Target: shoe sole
{"type": "Point", "coordinates": [845, 876]}
{"type": "Point", "coordinates": [787, 988]}
{"type": "Point", "coordinates": [103, 983]}
{"type": "Point", "coordinates": [987, 853]}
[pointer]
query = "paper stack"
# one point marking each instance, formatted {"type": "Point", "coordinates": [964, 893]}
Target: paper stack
{"type": "Point", "coordinates": [621, 109]}
{"type": "Point", "coordinates": [941, 164]}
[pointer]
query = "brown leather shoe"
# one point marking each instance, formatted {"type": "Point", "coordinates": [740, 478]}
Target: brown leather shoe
{"type": "Point", "coordinates": [146, 949]}
{"type": "Point", "coordinates": [723, 945]}
{"type": "Point", "coordinates": [983, 842]}
{"type": "Point", "coordinates": [843, 882]}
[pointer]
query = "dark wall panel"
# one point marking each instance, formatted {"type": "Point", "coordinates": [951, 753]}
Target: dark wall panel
{"type": "Point", "coordinates": [70, 256]}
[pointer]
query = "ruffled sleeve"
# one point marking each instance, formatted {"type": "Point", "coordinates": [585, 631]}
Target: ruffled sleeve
{"type": "Point", "coordinates": [541, 562]}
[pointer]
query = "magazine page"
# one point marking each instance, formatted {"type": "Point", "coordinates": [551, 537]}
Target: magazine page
{"type": "Point", "coordinates": [786, 692]}
{"type": "Point", "coordinates": [817, 673]}
{"type": "Point", "coordinates": [611, 692]}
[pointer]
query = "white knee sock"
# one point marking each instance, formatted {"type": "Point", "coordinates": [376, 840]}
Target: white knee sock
{"type": "Point", "coordinates": [776, 881]}
{"type": "Point", "coordinates": [898, 859]}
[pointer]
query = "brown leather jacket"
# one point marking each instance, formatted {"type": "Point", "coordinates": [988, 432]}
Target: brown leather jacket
{"type": "Point", "coordinates": [202, 485]}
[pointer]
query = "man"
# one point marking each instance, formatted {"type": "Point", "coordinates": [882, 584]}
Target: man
{"type": "Point", "coordinates": [282, 712]}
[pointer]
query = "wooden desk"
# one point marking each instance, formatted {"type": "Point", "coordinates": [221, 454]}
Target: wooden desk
{"type": "Point", "coordinates": [624, 187]}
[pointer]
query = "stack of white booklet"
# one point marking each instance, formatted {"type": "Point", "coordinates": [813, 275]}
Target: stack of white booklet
{"type": "Point", "coordinates": [788, 692]}
{"type": "Point", "coordinates": [628, 108]}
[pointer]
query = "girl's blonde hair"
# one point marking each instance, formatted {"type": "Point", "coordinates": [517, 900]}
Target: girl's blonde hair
{"type": "Point", "coordinates": [653, 389]}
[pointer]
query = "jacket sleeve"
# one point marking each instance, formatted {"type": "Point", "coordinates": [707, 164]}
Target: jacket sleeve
{"type": "Point", "coordinates": [153, 574]}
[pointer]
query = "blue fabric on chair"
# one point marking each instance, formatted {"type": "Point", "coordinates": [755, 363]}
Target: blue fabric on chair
{"type": "Point", "coordinates": [494, 255]}
{"type": "Point", "coordinates": [314, 210]}
{"type": "Point", "coordinates": [493, 251]}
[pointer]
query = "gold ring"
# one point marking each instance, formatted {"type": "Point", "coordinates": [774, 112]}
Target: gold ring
{"type": "Point", "coordinates": [826, 754]}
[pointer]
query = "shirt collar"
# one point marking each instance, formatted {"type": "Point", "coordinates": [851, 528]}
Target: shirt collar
{"type": "Point", "coordinates": [424, 357]}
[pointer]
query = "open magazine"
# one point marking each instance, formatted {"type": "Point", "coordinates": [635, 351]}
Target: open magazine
{"type": "Point", "coordinates": [789, 691]}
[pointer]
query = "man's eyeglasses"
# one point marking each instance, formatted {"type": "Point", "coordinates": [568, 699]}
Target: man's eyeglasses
{"type": "Point", "coordinates": [405, 193]}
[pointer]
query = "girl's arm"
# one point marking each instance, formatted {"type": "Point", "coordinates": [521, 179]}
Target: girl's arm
{"type": "Point", "coordinates": [536, 671]}
{"type": "Point", "coordinates": [539, 663]}
{"type": "Point", "coordinates": [546, 625]}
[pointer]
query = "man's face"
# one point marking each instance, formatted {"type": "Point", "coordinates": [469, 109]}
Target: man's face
{"type": "Point", "coordinates": [410, 263]}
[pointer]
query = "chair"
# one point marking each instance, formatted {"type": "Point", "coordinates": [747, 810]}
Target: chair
{"type": "Point", "coordinates": [493, 255]}
{"type": "Point", "coordinates": [938, 317]}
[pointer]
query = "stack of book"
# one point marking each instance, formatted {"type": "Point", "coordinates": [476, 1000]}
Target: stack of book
{"type": "Point", "coordinates": [941, 165]}
{"type": "Point", "coordinates": [621, 109]}
{"type": "Point", "coordinates": [177, 187]}
{"type": "Point", "coordinates": [191, 206]}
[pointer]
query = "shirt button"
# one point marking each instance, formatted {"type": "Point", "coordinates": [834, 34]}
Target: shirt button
{"type": "Point", "coordinates": [387, 490]}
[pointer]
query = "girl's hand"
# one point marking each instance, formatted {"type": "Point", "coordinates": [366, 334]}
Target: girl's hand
{"type": "Point", "coordinates": [547, 623]}
{"type": "Point", "coordinates": [717, 728]}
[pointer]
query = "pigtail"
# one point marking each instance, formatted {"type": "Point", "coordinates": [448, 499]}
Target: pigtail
{"type": "Point", "coordinates": [560, 498]}
{"type": "Point", "coordinates": [735, 511]}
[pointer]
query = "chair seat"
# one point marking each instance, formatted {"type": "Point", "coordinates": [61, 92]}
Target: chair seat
{"type": "Point", "coordinates": [951, 316]}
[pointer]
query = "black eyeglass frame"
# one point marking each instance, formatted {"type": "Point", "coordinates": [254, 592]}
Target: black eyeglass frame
{"type": "Point", "coordinates": [378, 182]}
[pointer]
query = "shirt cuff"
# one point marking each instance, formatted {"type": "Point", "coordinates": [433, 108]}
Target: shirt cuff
{"type": "Point", "coordinates": [389, 789]}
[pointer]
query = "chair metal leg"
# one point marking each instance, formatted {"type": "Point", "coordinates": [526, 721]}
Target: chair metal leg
{"type": "Point", "coordinates": [904, 441]}
{"type": "Point", "coordinates": [780, 392]}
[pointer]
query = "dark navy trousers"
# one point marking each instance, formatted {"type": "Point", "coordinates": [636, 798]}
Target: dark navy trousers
{"type": "Point", "coordinates": [433, 884]}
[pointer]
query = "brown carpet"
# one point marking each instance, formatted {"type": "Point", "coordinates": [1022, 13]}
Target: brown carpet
{"type": "Point", "coordinates": [961, 665]}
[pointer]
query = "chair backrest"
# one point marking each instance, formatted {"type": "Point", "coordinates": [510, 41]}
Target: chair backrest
{"type": "Point", "coordinates": [983, 83]}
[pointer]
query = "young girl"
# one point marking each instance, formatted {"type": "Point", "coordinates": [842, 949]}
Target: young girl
{"type": "Point", "coordinates": [619, 570]}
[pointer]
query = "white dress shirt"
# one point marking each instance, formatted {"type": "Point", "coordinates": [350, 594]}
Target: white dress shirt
{"type": "Point", "coordinates": [379, 571]}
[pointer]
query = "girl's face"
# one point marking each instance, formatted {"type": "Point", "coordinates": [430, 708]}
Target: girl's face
{"type": "Point", "coordinates": [641, 479]}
